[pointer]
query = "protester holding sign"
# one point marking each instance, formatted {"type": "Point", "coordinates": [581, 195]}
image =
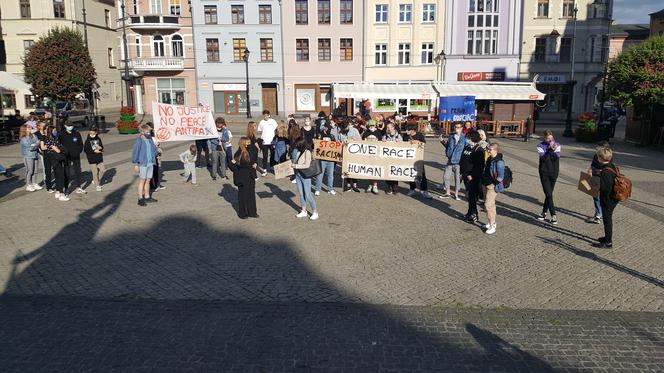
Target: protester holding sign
{"type": "Point", "coordinates": [327, 166]}
{"type": "Point", "coordinates": [267, 127]}
{"type": "Point", "coordinates": [301, 163]}
{"type": "Point", "coordinates": [244, 178]}
{"type": "Point", "coordinates": [349, 132]}
{"type": "Point", "coordinates": [549, 160]}
{"type": "Point", "coordinates": [391, 135]}
{"type": "Point", "coordinates": [415, 137]}
{"type": "Point", "coordinates": [372, 134]}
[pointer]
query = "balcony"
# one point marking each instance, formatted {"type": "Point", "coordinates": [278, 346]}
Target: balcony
{"type": "Point", "coordinates": [156, 64]}
{"type": "Point", "coordinates": [154, 22]}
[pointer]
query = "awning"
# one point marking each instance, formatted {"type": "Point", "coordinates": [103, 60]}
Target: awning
{"type": "Point", "coordinates": [10, 83]}
{"type": "Point", "coordinates": [422, 91]}
{"type": "Point", "coordinates": [491, 91]}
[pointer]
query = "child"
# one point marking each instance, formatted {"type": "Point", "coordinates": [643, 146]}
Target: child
{"type": "Point", "coordinates": [29, 145]}
{"type": "Point", "coordinates": [607, 179]}
{"type": "Point", "coordinates": [93, 150]}
{"type": "Point", "coordinates": [188, 159]}
{"type": "Point", "coordinates": [595, 170]}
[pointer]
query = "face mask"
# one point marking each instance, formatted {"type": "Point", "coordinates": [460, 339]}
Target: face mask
{"type": "Point", "coordinates": [458, 130]}
{"type": "Point", "coordinates": [93, 135]}
{"type": "Point", "coordinates": [147, 135]}
{"type": "Point", "coordinates": [69, 128]}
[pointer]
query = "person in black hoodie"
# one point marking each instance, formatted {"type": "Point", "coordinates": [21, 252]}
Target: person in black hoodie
{"type": "Point", "coordinates": [607, 179]}
{"type": "Point", "coordinates": [72, 143]}
{"type": "Point", "coordinates": [472, 165]}
{"type": "Point", "coordinates": [549, 159]}
{"type": "Point", "coordinates": [93, 149]}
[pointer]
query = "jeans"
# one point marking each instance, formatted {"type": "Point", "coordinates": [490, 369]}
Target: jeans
{"type": "Point", "coordinates": [280, 152]}
{"type": "Point", "coordinates": [473, 189]}
{"type": "Point", "coordinates": [490, 203]}
{"type": "Point", "coordinates": [218, 163]}
{"type": "Point", "coordinates": [449, 169]}
{"type": "Point", "coordinates": [268, 155]}
{"type": "Point", "coordinates": [548, 183]}
{"type": "Point", "coordinates": [304, 188]}
{"type": "Point", "coordinates": [598, 207]}
{"type": "Point", "coordinates": [327, 167]}
{"type": "Point", "coordinates": [73, 173]}
{"type": "Point", "coordinates": [229, 156]}
{"type": "Point", "coordinates": [190, 169]}
{"type": "Point", "coordinates": [201, 147]}
{"type": "Point", "coordinates": [49, 164]}
{"type": "Point", "coordinates": [97, 170]}
{"type": "Point", "coordinates": [30, 168]}
{"type": "Point", "coordinates": [40, 158]}
{"type": "Point", "coordinates": [424, 183]}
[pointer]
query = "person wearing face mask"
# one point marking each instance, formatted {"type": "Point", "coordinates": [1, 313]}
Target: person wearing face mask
{"type": "Point", "coordinates": [326, 134]}
{"type": "Point", "coordinates": [72, 143]}
{"type": "Point", "coordinates": [143, 158]}
{"type": "Point", "coordinates": [349, 132]}
{"type": "Point", "coordinates": [93, 148]}
{"type": "Point", "coordinates": [549, 157]}
{"type": "Point", "coordinates": [308, 133]}
{"type": "Point", "coordinates": [267, 127]}
{"type": "Point", "coordinates": [453, 149]}
{"type": "Point", "coordinates": [217, 152]}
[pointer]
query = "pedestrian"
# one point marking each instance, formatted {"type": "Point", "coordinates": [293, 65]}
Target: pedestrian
{"type": "Point", "coordinates": [453, 149]}
{"type": "Point", "coordinates": [29, 147]}
{"type": "Point", "coordinates": [226, 138]}
{"type": "Point", "coordinates": [549, 157]}
{"type": "Point", "coordinates": [143, 158]}
{"type": "Point", "coordinates": [254, 147]}
{"type": "Point", "coordinates": [54, 158]}
{"type": "Point", "coordinates": [202, 161]}
{"type": "Point", "coordinates": [472, 166]}
{"type": "Point", "coordinates": [467, 127]}
{"type": "Point", "coordinates": [308, 133]}
{"type": "Point", "coordinates": [415, 137]}
{"type": "Point", "coordinates": [94, 150]}
{"type": "Point", "coordinates": [492, 178]}
{"type": "Point", "coordinates": [40, 134]}
{"type": "Point", "coordinates": [294, 133]}
{"type": "Point", "coordinates": [155, 182]}
{"type": "Point", "coordinates": [188, 159]}
{"type": "Point", "coordinates": [218, 152]}
{"type": "Point", "coordinates": [280, 143]}
{"type": "Point", "coordinates": [267, 127]}
{"type": "Point", "coordinates": [326, 133]}
{"type": "Point", "coordinates": [595, 170]}
{"type": "Point", "coordinates": [346, 133]}
{"type": "Point", "coordinates": [391, 135]}
{"type": "Point", "coordinates": [372, 134]}
{"type": "Point", "coordinates": [302, 161]}
{"type": "Point", "coordinates": [72, 142]}
{"type": "Point", "coordinates": [607, 181]}
{"type": "Point", "coordinates": [244, 179]}
{"type": "Point", "coordinates": [484, 141]}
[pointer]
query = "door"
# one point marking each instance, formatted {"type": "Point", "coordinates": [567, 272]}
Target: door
{"type": "Point", "coordinates": [231, 103]}
{"type": "Point", "coordinates": [270, 100]}
{"type": "Point", "coordinates": [219, 102]}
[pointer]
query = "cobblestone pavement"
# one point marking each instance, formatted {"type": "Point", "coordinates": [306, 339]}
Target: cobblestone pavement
{"type": "Point", "coordinates": [367, 255]}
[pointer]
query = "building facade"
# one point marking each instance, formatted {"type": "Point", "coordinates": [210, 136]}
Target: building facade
{"type": "Point", "coordinates": [224, 30]}
{"type": "Point", "coordinates": [552, 38]}
{"type": "Point", "coordinates": [657, 23]}
{"type": "Point", "coordinates": [482, 40]}
{"type": "Point", "coordinates": [160, 52]}
{"type": "Point", "coordinates": [625, 36]}
{"type": "Point", "coordinates": [322, 44]}
{"type": "Point", "coordinates": [25, 21]}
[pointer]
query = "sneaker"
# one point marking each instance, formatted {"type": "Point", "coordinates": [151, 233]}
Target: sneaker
{"type": "Point", "coordinates": [491, 230]}
{"type": "Point", "coordinates": [374, 190]}
{"type": "Point", "coordinates": [314, 216]}
{"type": "Point", "coordinates": [57, 195]}
{"type": "Point", "coordinates": [141, 202]}
{"type": "Point", "coordinates": [161, 187]}
{"type": "Point", "coordinates": [601, 239]}
{"type": "Point", "coordinates": [446, 195]}
{"type": "Point", "coordinates": [369, 189]}
{"type": "Point", "coordinates": [554, 220]}
{"type": "Point", "coordinates": [440, 187]}
{"type": "Point", "coordinates": [356, 189]}
{"type": "Point", "coordinates": [29, 188]}
{"type": "Point", "coordinates": [389, 192]}
{"type": "Point", "coordinates": [264, 173]}
{"type": "Point", "coordinates": [150, 200]}
{"type": "Point", "coordinates": [412, 193]}
{"type": "Point", "coordinates": [98, 188]}
{"type": "Point", "coordinates": [214, 179]}
{"type": "Point", "coordinates": [487, 226]}
{"type": "Point", "coordinates": [456, 197]}
{"type": "Point", "coordinates": [604, 245]}
{"type": "Point", "coordinates": [292, 181]}
{"type": "Point", "coordinates": [597, 220]}
{"type": "Point", "coordinates": [331, 192]}
{"type": "Point", "coordinates": [63, 198]}
{"type": "Point", "coordinates": [317, 193]}
{"type": "Point", "coordinates": [36, 187]}
{"type": "Point", "coordinates": [80, 190]}
{"type": "Point", "coordinates": [50, 190]}
{"type": "Point", "coordinates": [194, 184]}
{"type": "Point", "coordinates": [426, 195]}
{"type": "Point", "coordinates": [542, 216]}
{"type": "Point", "coordinates": [471, 218]}
{"type": "Point", "coordinates": [302, 214]}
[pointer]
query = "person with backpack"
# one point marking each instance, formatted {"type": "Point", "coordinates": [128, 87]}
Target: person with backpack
{"type": "Point", "coordinates": [596, 170]}
{"type": "Point", "coordinates": [492, 177]}
{"type": "Point", "coordinates": [453, 149]}
{"type": "Point", "coordinates": [613, 188]}
{"type": "Point", "coordinates": [549, 160]}
{"type": "Point", "coordinates": [472, 165]}
{"type": "Point", "coordinates": [301, 162]}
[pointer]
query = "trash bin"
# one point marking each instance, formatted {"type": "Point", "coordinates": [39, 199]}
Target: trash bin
{"type": "Point", "coordinates": [100, 121]}
{"type": "Point", "coordinates": [604, 131]}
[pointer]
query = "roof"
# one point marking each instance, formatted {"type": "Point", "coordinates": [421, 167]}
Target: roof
{"type": "Point", "coordinates": [631, 31]}
{"type": "Point", "coordinates": [511, 91]}
{"type": "Point", "coordinates": [416, 91]}
{"type": "Point", "coordinates": [657, 14]}
{"type": "Point", "coordinates": [11, 83]}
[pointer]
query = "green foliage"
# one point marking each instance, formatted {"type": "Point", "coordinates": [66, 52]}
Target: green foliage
{"type": "Point", "coordinates": [636, 76]}
{"type": "Point", "coordinates": [59, 66]}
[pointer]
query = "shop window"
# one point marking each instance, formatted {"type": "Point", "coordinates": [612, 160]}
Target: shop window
{"type": "Point", "coordinates": [171, 91]}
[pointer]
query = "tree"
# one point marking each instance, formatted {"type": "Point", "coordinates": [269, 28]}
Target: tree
{"type": "Point", "coordinates": [59, 66]}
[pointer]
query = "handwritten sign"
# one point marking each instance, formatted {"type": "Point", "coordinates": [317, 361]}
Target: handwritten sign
{"type": "Point", "coordinates": [183, 123]}
{"type": "Point", "coordinates": [283, 170]}
{"type": "Point", "coordinates": [376, 160]}
{"type": "Point", "coordinates": [328, 150]}
{"type": "Point", "coordinates": [589, 184]}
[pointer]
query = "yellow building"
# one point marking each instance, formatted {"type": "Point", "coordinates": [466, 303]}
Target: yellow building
{"type": "Point", "coordinates": [25, 21]}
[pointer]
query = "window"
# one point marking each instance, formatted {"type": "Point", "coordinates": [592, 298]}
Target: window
{"type": "Point", "coordinates": [482, 37]}
{"type": "Point", "coordinates": [58, 9]}
{"type": "Point", "coordinates": [265, 14]}
{"type": "Point", "coordinates": [175, 7]}
{"type": "Point", "coordinates": [155, 6]}
{"type": "Point", "coordinates": [239, 46]}
{"type": "Point", "coordinates": [346, 49]}
{"type": "Point", "coordinates": [381, 54]}
{"type": "Point", "coordinates": [324, 12]}
{"type": "Point", "coordinates": [177, 46]}
{"type": "Point", "coordinates": [210, 14]}
{"type": "Point", "coordinates": [158, 46]}
{"type": "Point", "coordinates": [30, 101]}
{"type": "Point", "coordinates": [138, 46]}
{"type": "Point", "coordinates": [266, 50]}
{"type": "Point", "coordinates": [540, 50]}
{"type": "Point", "coordinates": [471, 6]}
{"type": "Point", "coordinates": [27, 45]}
{"type": "Point", "coordinates": [8, 101]}
{"type": "Point", "coordinates": [568, 8]}
{"type": "Point", "coordinates": [171, 91]}
{"type": "Point", "coordinates": [324, 50]}
{"type": "Point", "coordinates": [25, 8]}
{"type": "Point", "coordinates": [301, 12]}
{"type": "Point", "coordinates": [565, 49]}
{"type": "Point", "coordinates": [429, 13]}
{"type": "Point", "coordinates": [427, 54]}
{"type": "Point", "coordinates": [135, 6]}
{"type": "Point", "coordinates": [404, 54]}
{"type": "Point", "coordinates": [110, 57]}
{"type": "Point", "coordinates": [381, 13]}
{"type": "Point", "coordinates": [107, 18]}
{"type": "Point", "coordinates": [212, 50]}
{"type": "Point", "coordinates": [302, 49]}
{"type": "Point", "coordinates": [346, 11]}
{"type": "Point", "coordinates": [543, 8]}
{"type": "Point", "coordinates": [405, 13]}
{"type": "Point", "coordinates": [237, 14]}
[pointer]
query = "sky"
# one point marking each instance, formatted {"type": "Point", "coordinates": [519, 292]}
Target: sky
{"type": "Point", "coordinates": [635, 11]}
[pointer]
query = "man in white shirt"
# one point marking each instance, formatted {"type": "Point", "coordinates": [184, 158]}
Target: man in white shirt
{"type": "Point", "coordinates": [267, 127]}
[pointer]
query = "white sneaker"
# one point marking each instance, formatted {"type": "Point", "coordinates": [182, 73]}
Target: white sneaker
{"type": "Point", "coordinates": [456, 197]}
{"type": "Point", "coordinates": [294, 181]}
{"type": "Point", "coordinates": [57, 195]}
{"type": "Point", "coordinates": [80, 190]}
{"type": "Point", "coordinates": [412, 193]}
{"type": "Point", "coordinates": [369, 189]}
{"type": "Point", "coordinates": [264, 173]}
{"type": "Point", "coordinates": [302, 214]}
{"type": "Point", "coordinates": [332, 192]}
{"type": "Point", "coordinates": [98, 188]}
{"type": "Point", "coordinates": [51, 190]}
{"type": "Point", "coordinates": [36, 187]}
{"type": "Point", "coordinates": [314, 216]}
{"type": "Point", "coordinates": [491, 230]}
{"type": "Point", "coordinates": [375, 189]}
{"type": "Point", "coordinates": [64, 198]}
{"type": "Point", "coordinates": [426, 195]}
{"type": "Point", "coordinates": [29, 188]}
{"type": "Point", "coordinates": [316, 193]}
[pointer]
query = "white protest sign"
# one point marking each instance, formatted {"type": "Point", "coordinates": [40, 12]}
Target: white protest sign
{"type": "Point", "coordinates": [376, 160]}
{"type": "Point", "coordinates": [183, 123]}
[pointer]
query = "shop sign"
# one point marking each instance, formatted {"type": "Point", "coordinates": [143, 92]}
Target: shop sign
{"type": "Point", "coordinates": [493, 76]}
{"type": "Point", "coordinates": [551, 79]}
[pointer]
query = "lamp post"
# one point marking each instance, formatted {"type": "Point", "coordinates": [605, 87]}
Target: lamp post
{"type": "Point", "coordinates": [126, 77]}
{"type": "Point", "coordinates": [571, 83]}
{"type": "Point", "coordinates": [605, 73]}
{"type": "Point", "coordinates": [246, 65]}
{"type": "Point", "coordinates": [439, 60]}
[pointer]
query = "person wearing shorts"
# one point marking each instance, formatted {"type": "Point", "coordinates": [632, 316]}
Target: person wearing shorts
{"type": "Point", "coordinates": [143, 158]}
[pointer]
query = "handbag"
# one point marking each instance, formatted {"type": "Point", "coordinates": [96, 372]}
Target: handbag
{"type": "Point", "coordinates": [314, 168]}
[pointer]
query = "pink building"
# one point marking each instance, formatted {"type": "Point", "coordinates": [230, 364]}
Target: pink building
{"type": "Point", "coordinates": [323, 43]}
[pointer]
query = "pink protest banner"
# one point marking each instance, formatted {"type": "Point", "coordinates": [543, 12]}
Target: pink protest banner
{"type": "Point", "coordinates": [183, 123]}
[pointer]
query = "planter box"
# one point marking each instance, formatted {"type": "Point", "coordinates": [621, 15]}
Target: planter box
{"type": "Point", "coordinates": [584, 135]}
{"type": "Point", "coordinates": [126, 129]}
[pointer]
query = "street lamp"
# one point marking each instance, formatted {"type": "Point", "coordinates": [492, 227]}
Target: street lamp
{"type": "Point", "coordinates": [440, 58]}
{"type": "Point", "coordinates": [245, 57]}
{"type": "Point", "coordinates": [126, 77]}
{"type": "Point", "coordinates": [571, 83]}
{"type": "Point", "coordinates": [608, 15]}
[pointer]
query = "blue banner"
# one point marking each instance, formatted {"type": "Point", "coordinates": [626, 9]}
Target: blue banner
{"type": "Point", "coordinates": [457, 108]}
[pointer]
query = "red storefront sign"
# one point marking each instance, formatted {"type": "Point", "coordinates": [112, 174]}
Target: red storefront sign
{"type": "Point", "coordinates": [480, 76]}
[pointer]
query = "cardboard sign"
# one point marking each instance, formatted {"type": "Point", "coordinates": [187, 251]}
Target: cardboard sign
{"type": "Point", "coordinates": [589, 184]}
{"type": "Point", "coordinates": [376, 160]}
{"type": "Point", "coordinates": [183, 123]}
{"type": "Point", "coordinates": [283, 170]}
{"type": "Point", "coordinates": [328, 150]}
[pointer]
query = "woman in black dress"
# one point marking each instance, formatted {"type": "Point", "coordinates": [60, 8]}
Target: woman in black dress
{"type": "Point", "coordinates": [244, 171]}
{"type": "Point", "coordinates": [254, 145]}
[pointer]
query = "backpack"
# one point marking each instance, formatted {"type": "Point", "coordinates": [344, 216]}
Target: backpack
{"type": "Point", "coordinates": [622, 186]}
{"type": "Point", "coordinates": [507, 178]}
